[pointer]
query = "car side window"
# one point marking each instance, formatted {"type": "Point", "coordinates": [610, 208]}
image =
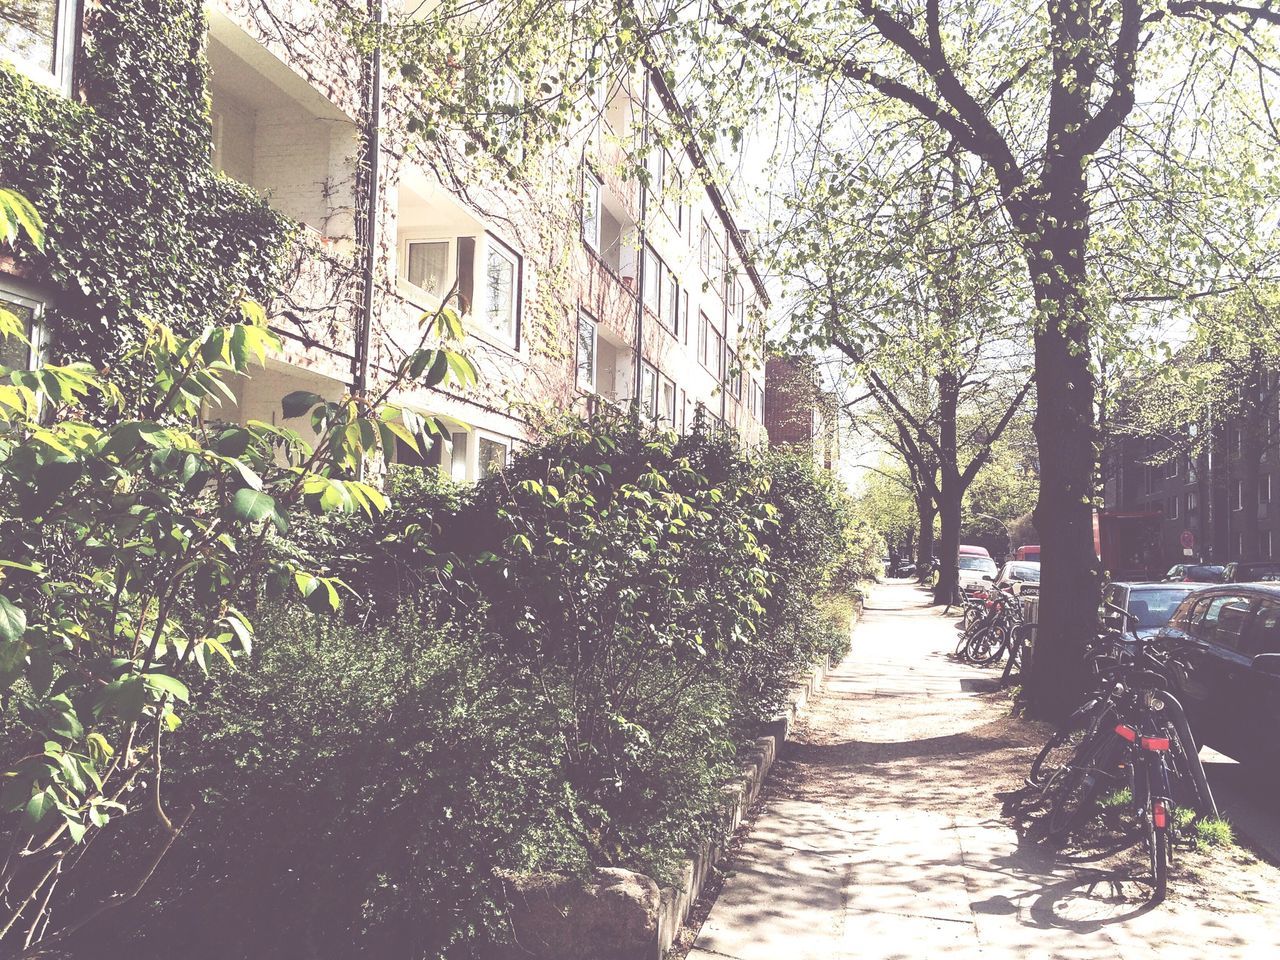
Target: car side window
{"type": "Point", "coordinates": [1263, 635]}
{"type": "Point", "coordinates": [1224, 620]}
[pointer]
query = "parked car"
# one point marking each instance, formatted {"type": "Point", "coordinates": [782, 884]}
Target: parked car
{"type": "Point", "coordinates": [904, 568]}
{"type": "Point", "coordinates": [1022, 576]}
{"type": "Point", "coordinates": [1228, 678]}
{"type": "Point", "coordinates": [1251, 571]}
{"type": "Point", "coordinates": [969, 550]}
{"type": "Point", "coordinates": [1029, 551]}
{"type": "Point", "coordinates": [1152, 603]}
{"type": "Point", "coordinates": [975, 572]}
{"type": "Point", "coordinates": [1195, 573]}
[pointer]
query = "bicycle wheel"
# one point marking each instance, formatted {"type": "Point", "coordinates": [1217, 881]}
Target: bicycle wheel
{"type": "Point", "coordinates": [1076, 791]}
{"type": "Point", "coordinates": [980, 645]}
{"type": "Point", "coordinates": [999, 644]}
{"type": "Point", "coordinates": [1062, 746]}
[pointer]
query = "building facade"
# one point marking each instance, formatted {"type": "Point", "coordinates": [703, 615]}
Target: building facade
{"type": "Point", "coordinates": [799, 414]}
{"type": "Point", "coordinates": [580, 285]}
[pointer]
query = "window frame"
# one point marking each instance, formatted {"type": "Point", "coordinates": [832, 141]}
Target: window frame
{"type": "Point", "coordinates": [407, 242]}
{"type": "Point", "coordinates": [647, 390]}
{"type": "Point", "coordinates": [25, 295]}
{"type": "Point", "coordinates": [589, 177]}
{"type": "Point", "coordinates": [66, 32]}
{"type": "Point", "coordinates": [593, 386]}
{"type": "Point", "coordinates": [483, 437]}
{"type": "Point", "coordinates": [492, 245]}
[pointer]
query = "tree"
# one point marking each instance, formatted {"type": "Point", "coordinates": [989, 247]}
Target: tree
{"type": "Point", "coordinates": [901, 272]}
{"type": "Point", "coordinates": [1043, 100]}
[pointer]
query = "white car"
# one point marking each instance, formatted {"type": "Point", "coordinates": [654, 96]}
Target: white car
{"type": "Point", "coordinates": [973, 570]}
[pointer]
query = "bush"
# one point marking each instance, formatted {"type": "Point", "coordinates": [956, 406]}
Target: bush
{"type": "Point", "coordinates": [359, 790]}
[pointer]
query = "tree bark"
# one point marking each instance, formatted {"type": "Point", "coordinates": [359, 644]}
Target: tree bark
{"type": "Point", "coordinates": [1065, 430]}
{"type": "Point", "coordinates": [927, 511]}
{"type": "Point", "coordinates": [952, 489]}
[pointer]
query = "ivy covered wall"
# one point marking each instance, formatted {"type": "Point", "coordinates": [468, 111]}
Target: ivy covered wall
{"type": "Point", "coordinates": [139, 224]}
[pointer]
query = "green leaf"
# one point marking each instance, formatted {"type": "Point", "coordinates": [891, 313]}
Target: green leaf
{"type": "Point", "coordinates": [252, 505]}
{"type": "Point", "coordinates": [13, 621]}
{"type": "Point", "coordinates": [40, 805]}
{"type": "Point", "coordinates": [299, 402]}
{"type": "Point", "coordinates": [167, 684]}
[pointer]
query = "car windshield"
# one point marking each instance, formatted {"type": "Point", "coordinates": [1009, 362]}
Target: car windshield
{"type": "Point", "coordinates": [1153, 608]}
{"type": "Point", "coordinates": [980, 564]}
{"type": "Point", "coordinates": [1253, 572]}
{"type": "Point", "coordinates": [1024, 571]}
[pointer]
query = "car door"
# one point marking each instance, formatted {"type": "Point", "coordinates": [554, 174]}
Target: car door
{"type": "Point", "coordinates": [1217, 663]}
{"type": "Point", "coordinates": [1259, 692]}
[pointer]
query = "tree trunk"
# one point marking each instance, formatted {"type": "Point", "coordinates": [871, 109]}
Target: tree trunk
{"type": "Point", "coordinates": [927, 510]}
{"type": "Point", "coordinates": [1065, 437]}
{"type": "Point", "coordinates": [951, 489]}
{"type": "Point", "coordinates": [948, 586]}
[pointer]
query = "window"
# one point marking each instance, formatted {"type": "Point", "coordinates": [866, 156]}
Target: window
{"type": "Point", "coordinates": [648, 391]}
{"type": "Point", "coordinates": [1237, 495]}
{"type": "Point", "coordinates": [682, 324]}
{"type": "Point", "coordinates": [735, 376]}
{"type": "Point", "coordinates": [684, 412]}
{"type": "Point", "coordinates": [591, 210]}
{"type": "Point", "coordinates": [667, 402]}
{"type": "Point", "coordinates": [1193, 502]}
{"type": "Point", "coordinates": [1263, 634]}
{"type": "Point", "coordinates": [502, 291]}
{"type": "Point", "coordinates": [710, 347]}
{"type": "Point", "coordinates": [676, 188]}
{"type": "Point", "coordinates": [1264, 543]}
{"type": "Point", "coordinates": [1171, 468]}
{"type": "Point", "coordinates": [671, 302]}
{"type": "Point", "coordinates": [1173, 509]}
{"type": "Point", "coordinates": [586, 352]}
{"type": "Point", "coordinates": [491, 456]}
{"type": "Point", "coordinates": [1264, 488]}
{"type": "Point", "coordinates": [37, 36]}
{"type": "Point", "coordinates": [430, 265]}
{"type": "Point", "coordinates": [1224, 620]}
{"type": "Point", "coordinates": [652, 281]}
{"type": "Point", "coordinates": [757, 400]}
{"type": "Point", "coordinates": [14, 354]}
{"type": "Point", "coordinates": [1237, 441]}
{"type": "Point", "coordinates": [460, 442]}
{"type": "Point", "coordinates": [705, 242]}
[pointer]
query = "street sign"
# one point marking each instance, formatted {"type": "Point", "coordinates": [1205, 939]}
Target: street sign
{"type": "Point", "coordinates": [1188, 539]}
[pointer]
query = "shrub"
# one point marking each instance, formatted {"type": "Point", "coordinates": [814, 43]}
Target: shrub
{"type": "Point", "coordinates": [360, 788]}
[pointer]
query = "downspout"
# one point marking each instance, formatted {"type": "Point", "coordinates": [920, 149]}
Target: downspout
{"type": "Point", "coordinates": [640, 229]}
{"type": "Point", "coordinates": [373, 134]}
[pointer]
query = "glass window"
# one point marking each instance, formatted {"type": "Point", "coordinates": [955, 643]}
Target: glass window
{"type": "Point", "coordinates": [36, 35]}
{"type": "Point", "coordinates": [1153, 608]}
{"type": "Point", "coordinates": [759, 400]}
{"type": "Point", "coordinates": [491, 456]}
{"type": "Point", "coordinates": [671, 305]}
{"type": "Point", "coordinates": [1263, 635]}
{"type": "Point", "coordinates": [1224, 620]}
{"type": "Point", "coordinates": [652, 281]}
{"type": "Point", "coordinates": [430, 266]}
{"type": "Point", "coordinates": [667, 402]}
{"type": "Point", "coordinates": [586, 352]}
{"type": "Point", "coordinates": [649, 391]}
{"type": "Point", "coordinates": [501, 279]}
{"type": "Point", "coordinates": [591, 210]}
{"type": "Point", "coordinates": [14, 354]}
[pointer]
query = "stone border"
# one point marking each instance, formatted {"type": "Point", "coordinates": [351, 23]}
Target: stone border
{"type": "Point", "coordinates": [617, 914]}
{"type": "Point", "coordinates": [677, 901]}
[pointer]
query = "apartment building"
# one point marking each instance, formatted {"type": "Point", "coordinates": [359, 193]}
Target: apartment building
{"type": "Point", "coordinates": [580, 286]}
{"type": "Point", "coordinates": [799, 414]}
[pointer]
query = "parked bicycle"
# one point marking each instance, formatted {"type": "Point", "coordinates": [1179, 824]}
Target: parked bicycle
{"type": "Point", "coordinates": [1131, 733]}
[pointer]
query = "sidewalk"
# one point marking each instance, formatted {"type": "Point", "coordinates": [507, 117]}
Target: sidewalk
{"type": "Point", "coordinates": [882, 838]}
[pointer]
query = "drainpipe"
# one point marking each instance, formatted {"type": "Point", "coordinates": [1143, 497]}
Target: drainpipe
{"type": "Point", "coordinates": [640, 273]}
{"type": "Point", "coordinates": [360, 364]}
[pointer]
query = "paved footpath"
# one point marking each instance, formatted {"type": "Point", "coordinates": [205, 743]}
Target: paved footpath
{"type": "Point", "coordinates": [881, 834]}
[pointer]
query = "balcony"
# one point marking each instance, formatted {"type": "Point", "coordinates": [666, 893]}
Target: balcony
{"type": "Point", "coordinates": [274, 132]}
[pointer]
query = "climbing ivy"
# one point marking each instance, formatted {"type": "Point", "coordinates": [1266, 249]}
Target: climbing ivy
{"type": "Point", "coordinates": [139, 223]}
